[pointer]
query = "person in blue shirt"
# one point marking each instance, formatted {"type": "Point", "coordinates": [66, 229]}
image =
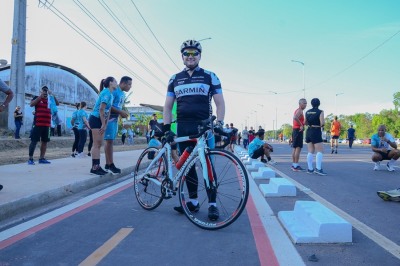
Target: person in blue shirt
{"type": "Point", "coordinates": [74, 124]}
{"type": "Point", "coordinates": [112, 127]}
{"type": "Point", "coordinates": [98, 121]}
{"type": "Point", "coordinates": [83, 126]}
{"type": "Point", "coordinates": [385, 148]}
{"type": "Point", "coordinates": [154, 142]}
{"type": "Point", "coordinates": [258, 148]}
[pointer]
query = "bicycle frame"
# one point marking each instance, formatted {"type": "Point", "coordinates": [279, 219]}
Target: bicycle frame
{"type": "Point", "coordinates": [199, 149]}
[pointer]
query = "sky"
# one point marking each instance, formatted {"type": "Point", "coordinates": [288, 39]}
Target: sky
{"type": "Point", "coordinates": [350, 49]}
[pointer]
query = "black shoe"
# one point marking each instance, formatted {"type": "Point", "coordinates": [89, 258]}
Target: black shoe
{"type": "Point", "coordinates": [73, 155]}
{"type": "Point", "coordinates": [332, 152]}
{"type": "Point", "coordinates": [1, 187]}
{"type": "Point", "coordinates": [213, 213]}
{"type": "Point", "coordinates": [336, 152]}
{"type": "Point", "coordinates": [191, 207]}
{"type": "Point", "coordinates": [112, 169]}
{"type": "Point", "coordinates": [263, 160]}
{"type": "Point", "coordinates": [89, 154]}
{"type": "Point", "coordinates": [98, 171]}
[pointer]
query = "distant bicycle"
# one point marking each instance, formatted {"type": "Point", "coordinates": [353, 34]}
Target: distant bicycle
{"type": "Point", "coordinates": [220, 170]}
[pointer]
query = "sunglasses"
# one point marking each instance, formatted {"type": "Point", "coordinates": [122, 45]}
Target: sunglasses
{"type": "Point", "coordinates": [191, 53]}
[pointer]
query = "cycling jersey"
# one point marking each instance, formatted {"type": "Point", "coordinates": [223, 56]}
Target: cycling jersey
{"type": "Point", "coordinates": [194, 93]}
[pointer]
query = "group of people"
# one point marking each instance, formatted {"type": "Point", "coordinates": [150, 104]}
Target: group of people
{"type": "Point", "coordinates": [383, 144]}
{"type": "Point", "coordinates": [102, 124]}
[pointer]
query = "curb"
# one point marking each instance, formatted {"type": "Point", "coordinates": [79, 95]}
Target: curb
{"type": "Point", "coordinates": [11, 209]}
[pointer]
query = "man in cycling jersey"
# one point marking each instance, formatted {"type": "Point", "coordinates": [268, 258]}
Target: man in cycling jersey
{"type": "Point", "coordinates": [193, 89]}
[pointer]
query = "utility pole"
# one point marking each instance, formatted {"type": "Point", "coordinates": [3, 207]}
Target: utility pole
{"type": "Point", "coordinates": [17, 79]}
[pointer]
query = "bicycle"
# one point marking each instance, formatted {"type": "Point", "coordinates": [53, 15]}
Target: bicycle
{"type": "Point", "coordinates": [223, 173]}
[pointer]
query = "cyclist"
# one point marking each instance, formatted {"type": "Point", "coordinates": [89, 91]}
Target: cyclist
{"type": "Point", "coordinates": [193, 89]}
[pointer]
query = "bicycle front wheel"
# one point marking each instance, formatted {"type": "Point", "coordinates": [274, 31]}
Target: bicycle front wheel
{"type": "Point", "coordinates": [230, 191]}
{"type": "Point", "coordinates": [147, 190]}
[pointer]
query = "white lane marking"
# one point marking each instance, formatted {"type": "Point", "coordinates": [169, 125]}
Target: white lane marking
{"type": "Point", "coordinates": [379, 239]}
{"type": "Point", "coordinates": [53, 214]}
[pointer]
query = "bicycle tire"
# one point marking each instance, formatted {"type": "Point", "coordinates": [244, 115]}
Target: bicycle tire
{"type": "Point", "coordinates": [148, 193]}
{"type": "Point", "coordinates": [232, 185]}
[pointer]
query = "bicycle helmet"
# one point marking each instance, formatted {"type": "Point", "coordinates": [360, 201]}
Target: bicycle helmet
{"type": "Point", "coordinates": [191, 44]}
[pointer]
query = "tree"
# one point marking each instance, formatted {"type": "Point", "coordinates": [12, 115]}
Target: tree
{"type": "Point", "coordinates": [396, 100]}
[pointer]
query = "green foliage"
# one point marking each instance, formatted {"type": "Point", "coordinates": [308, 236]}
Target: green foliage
{"type": "Point", "coordinates": [286, 129]}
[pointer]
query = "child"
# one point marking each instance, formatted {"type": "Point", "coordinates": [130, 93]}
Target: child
{"type": "Point", "coordinates": [258, 148]}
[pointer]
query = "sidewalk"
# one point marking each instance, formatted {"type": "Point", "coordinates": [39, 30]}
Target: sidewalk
{"type": "Point", "coordinates": [30, 186]}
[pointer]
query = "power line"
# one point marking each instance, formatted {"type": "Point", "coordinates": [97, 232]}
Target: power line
{"type": "Point", "coordinates": [106, 31]}
{"type": "Point", "coordinates": [357, 61]}
{"type": "Point", "coordinates": [154, 35]}
{"type": "Point", "coordinates": [130, 35]}
{"type": "Point", "coordinates": [77, 29]}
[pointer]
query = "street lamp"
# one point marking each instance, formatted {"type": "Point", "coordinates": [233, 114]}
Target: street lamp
{"type": "Point", "coordinates": [204, 39]}
{"type": "Point", "coordinates": [304, 75]}
{"type": "Point", "coordinates": [336, 95]}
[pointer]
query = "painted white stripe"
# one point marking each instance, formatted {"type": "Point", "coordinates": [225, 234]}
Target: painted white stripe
{"type": "Point", "coordinates": [48, 216]}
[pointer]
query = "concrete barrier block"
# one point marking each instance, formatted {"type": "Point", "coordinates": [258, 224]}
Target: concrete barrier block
{"type": "Point", "coordinates": [312, 222]}
{"type": "Point", "coordinates": [278, 187]}
{"type": "Point", "coordinates": [248, 161]}
{"type": "Point", "coordinates": [244, 157]}
{"type": "Point", "coordinates": [254, 166]}
{"type": "Point", "coordinates": [263, 173]}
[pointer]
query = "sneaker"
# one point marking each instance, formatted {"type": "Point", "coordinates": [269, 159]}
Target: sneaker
{"type": "Point", "coordinates": [98, 171]}
{"type": "Point", "coordinates": [80, 155]}
{"type": "Point", "coordinates": [31, 162]}
{"type": "Point", "coordinates": [319, 172]}
{"type": "Point", "coordinates": [1, 187]}
{"type": "Point", "coordinates": [264, 161]}
{"type": "Point", "coordinates": [44, 161]}
{"type": "Point", "coordinates": [112, 169]}
{"type": "Point", "coordinates": [336, 152]}
{"type": "Point", "coordinates": [310, 171]}
{"type": "Point", "coordinates": [89, 154]}
{"type": "Point", "coordinates": [73, 155]}
{"type": "Point", "coordinates": [298, 169]}
{"type": "Point", "coordinates": [272, 162]}
{"type": "Point", "coordinates": [390, 167]}
{"type": "Point", "coordinates": [213, 213]}
{"type": "Point", "coordinates": [191, 207]}
{"type": "Point", "coordinates": [332, 152]}
{"type": "Point", "coordinates": [377, 166]}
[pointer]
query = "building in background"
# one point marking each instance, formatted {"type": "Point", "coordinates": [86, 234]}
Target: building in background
{"type": "Point", "coordinates": [68, 85]}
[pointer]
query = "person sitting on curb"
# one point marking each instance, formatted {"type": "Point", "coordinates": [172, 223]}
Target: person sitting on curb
{"type": "Point", "coordinates": [258, 148]}
{"type": "Point", "coordinates": [385, 148]}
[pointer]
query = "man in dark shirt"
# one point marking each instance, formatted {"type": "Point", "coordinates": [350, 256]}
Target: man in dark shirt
{"type": "Point", "coordinates": [351, 135]}
{"type": "Point", "coordinates": [194, 88]}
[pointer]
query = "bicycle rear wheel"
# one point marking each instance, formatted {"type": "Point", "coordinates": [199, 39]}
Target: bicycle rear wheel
{"type": "Point", "coordinates": [147, 192]}
{"type": "Point", "coordinates": [231, 185]}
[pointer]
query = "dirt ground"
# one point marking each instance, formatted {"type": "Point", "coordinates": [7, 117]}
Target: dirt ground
{"type": "Point", "coordinates": [13, 151]}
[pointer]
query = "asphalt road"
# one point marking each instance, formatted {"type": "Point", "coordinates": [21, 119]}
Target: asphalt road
{"type": "Point", "coordinates": [350, 189]}
{"type": "Point", "coordinates": [115, 230]}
